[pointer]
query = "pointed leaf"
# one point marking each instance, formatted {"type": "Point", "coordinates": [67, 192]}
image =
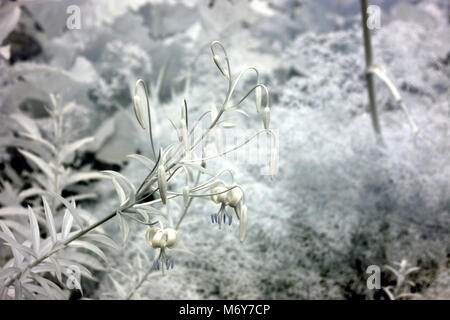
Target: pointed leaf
{"type": "Point", "coordinates": [27, 123]}
{"type": "Point", "coordinates": [69, 206]}
{"type": "Point", "coordinates": [50, 221]}
{"type": "Point", "coordinates": [124, 227]}
{"type": "Point", "coordinates": [41, 163]}
{"type": "Point", "coordinates": [150, 164]}
{"type": "Point", "coordinates": [15, 245]}
{"type": "Point", "coordinates": [67, 224]}
{"type": "Point", "coordinates": [119, 191]}
{"type": "Point", "coordinates": [74, 146]}
{"type": "Point", "coordinates": [101, 238]}
{"type": "Point", "coordinates": [83, 176]}
{"type": "Point", "coordinates": [88, 246]}
{"type": "Point", "coordinates": [18, 257]}
{"type": "Point", "coordinates": [121, 177]}
{"type": "Point", "coordinates": [35, 234]}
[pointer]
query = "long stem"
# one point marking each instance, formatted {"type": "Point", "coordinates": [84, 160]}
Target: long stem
{"type": "Point", "coordinates": [369, 76]}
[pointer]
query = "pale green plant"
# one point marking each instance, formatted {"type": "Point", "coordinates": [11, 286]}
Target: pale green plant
{"type": "Point", "coordinates": [149, 203]}
{"type": "Point", "coordinates": [50, 155]}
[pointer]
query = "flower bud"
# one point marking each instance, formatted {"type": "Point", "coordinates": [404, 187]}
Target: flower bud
{"type": "Point", "coordinates": [266, 118]}
{"type": "Point", "coordinates": [162, 183]}
{"type": "Point", "coordinates": [258, 98]}
{"type": "Point", "coordinates": [138, 111]}
{"type": "Point", "coordinates": [219, 65]}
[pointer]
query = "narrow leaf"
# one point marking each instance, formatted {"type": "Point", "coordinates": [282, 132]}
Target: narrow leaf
{"type": "Point", "coordinates": [41, 163]}
{"type": "Point", "coordinates": [74, 146]}
{"type": "Point", "coordinates": [67, 224]}
{"type": "Point", "coordinates": [101, 238]}
{"type": "Point", "coordinates": [35, 234]}
{"type": "Point", "coordinates": [50, 220]}
{"type": "Point", "coordinates": [69, 206]}
{"type": "Point", "coordinates": [88, 246]}
{"type": "Point", "coordinates": [150, 164]}
{"type": "Point", "coordinates": [27, 123]}
{"type": "Point", "coordinates": [119, 191]}
{"type": "Point", "coordinates": [124, 227]}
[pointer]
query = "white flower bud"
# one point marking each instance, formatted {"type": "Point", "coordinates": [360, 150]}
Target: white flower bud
{"type": "Point", "coordinates": [219, 65]}
{"type": "Point", "coordinates": [266, 118]}
{"type": "Point", "coordinates": [162, 183]}
{"type": "Point", "coordinates": [258, 98]}
{"type": "Point", "coordinates": [138, 111]}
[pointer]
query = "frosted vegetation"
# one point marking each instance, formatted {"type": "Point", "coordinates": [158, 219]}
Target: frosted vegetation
{"type": "Point", "coordinates": [92, 180]}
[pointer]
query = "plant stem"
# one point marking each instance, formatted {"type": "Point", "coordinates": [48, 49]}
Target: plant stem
{"type": "Point", "coordinates": [188, 204]}
{"type": "Point", "coordinates": [369, 76]}
{"type": "Point", "coordinates": [140, 283]}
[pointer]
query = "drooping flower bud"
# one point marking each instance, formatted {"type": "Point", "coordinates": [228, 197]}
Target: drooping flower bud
{"type": "Point", "coordinates": [138, 111]}
{"type": "Point", "coordinates": [162, 183]}
{"type": "Point", "coordinates": [258, 98]}
{"type": "Point", "coordinates": [266, 118]}
{"type": "Point", "coordinates": [219, 65]}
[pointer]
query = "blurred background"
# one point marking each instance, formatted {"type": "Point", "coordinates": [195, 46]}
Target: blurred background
{"type": "Point", "coordinates": [339, 202]}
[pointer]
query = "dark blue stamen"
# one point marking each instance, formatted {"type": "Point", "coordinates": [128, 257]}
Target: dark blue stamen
{"type": "Point", "coordinates": [167, 263]}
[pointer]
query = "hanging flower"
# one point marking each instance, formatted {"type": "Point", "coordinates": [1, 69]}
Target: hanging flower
{"type": "Point", "coordinates": [162, 239]}
{"type": "Point", "coordinates": [232, 197]}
